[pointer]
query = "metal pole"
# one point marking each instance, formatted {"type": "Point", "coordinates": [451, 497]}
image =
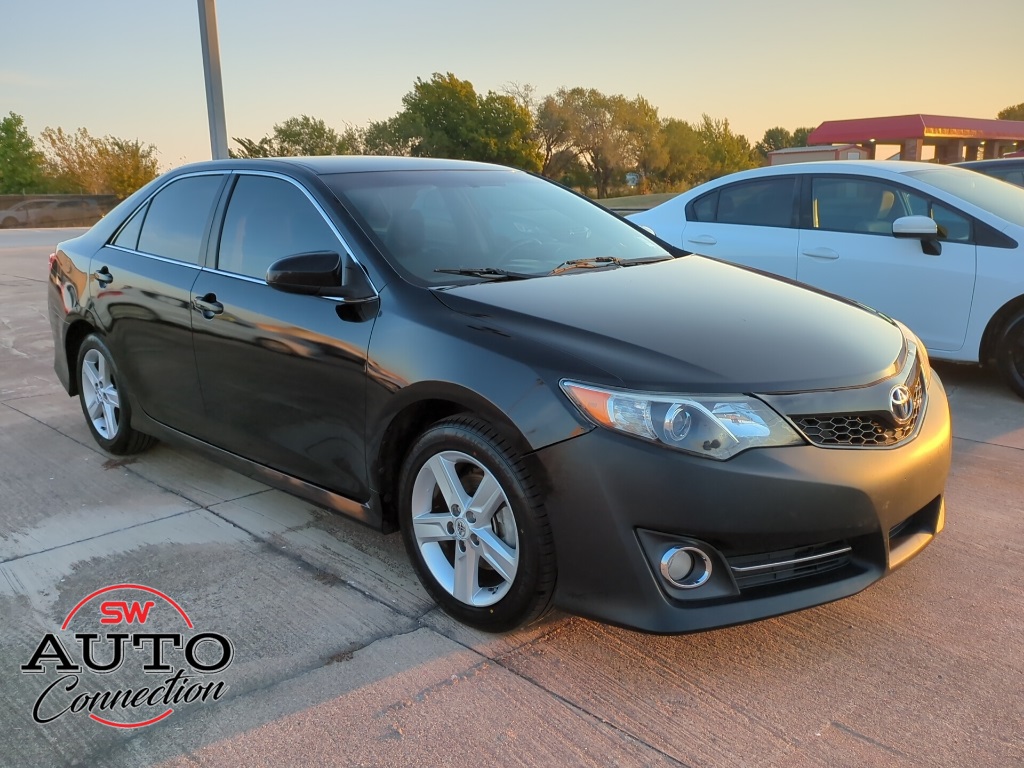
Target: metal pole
{"type": "Point", "coordinates": [214, 88]}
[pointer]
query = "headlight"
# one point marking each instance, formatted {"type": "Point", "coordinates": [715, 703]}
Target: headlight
{"type": "Point", "coordinates": [917, 347]}
{"type": "Point", "coordinates": [713, 426]}
{"type": "Point", "coordinates": [926, 364]}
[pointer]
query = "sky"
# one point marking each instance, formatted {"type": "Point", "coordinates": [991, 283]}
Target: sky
{"type": "Point", "coordinates": [133, 68]}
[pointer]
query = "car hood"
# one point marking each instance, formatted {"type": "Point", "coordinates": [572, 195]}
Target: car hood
{"type": "Point", "coordinates": [692, 324]}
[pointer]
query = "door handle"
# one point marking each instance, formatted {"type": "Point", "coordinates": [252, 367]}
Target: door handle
{"type": "Point", "coordinates": [208, 305]}
{"type": "Point", "coordinates": [703, 240]}
{"type": "Point", "coordinates": [821, 253]}
{"type": "Point", "coordinates": [103, 277]}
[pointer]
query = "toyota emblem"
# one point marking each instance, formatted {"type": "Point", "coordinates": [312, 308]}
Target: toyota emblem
{"type": "Point", "coordinates": [901, 404]}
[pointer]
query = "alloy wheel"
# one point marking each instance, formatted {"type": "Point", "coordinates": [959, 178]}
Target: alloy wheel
{"type": "Point", "coordinates": [100, 395]}
{"type": "Point", "coordinates": [465, 529]}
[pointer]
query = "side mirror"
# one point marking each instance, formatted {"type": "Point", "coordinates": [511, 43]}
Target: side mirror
{"type": "Point", "coordinates": [920, 227]}
{"type": "Point", "coordinates": [923, 228]}
{"type": "Point", "coordinates": [320, 274]}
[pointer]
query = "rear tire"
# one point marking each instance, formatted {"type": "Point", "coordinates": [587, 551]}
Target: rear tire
{"type": "Point", "coordinates": [1010, 354]}
{"type": "Point", "coordinates": [105, 402]}
{"type": "Point", "coordinates": [474, 526]}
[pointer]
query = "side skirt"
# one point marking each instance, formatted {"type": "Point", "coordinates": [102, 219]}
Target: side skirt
{"type": "Point", "coordinates": [368, 513]}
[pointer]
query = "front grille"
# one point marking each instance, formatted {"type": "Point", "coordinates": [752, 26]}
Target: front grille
{"type": "Point", "coordinates": [788, 564]}
{"type": "Point", "coordinates": [851, 430]}
{"type": "Point", "coordinates": [862, 430]}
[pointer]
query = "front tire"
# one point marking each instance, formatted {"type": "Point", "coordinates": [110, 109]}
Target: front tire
{"type": "Point", "coordinates": [475, 527]}
{"type": "Point", "coordinates": [105, 402]}
{"type": "Point", "coordinates": [1010, 354]}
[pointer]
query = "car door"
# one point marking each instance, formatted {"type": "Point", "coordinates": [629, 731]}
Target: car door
{"type": "Point", "coordinates": [847, 247]}
{"type": "Point", "coordinates": [141, 285]}
{"type": "Point", "coordinates": [282, 375]}
{"type": "Point", "coordinates": [750, 222]}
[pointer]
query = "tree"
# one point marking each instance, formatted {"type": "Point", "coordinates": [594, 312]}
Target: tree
{"type": "Point", "coordinates": [609, 135]}
{"type": "Point", "coordinates": [251, 148]}
{"type": "Point", "coordinates": [686, 165]}
{"type": "Point", "coordinates": [445, 117]}
{"type": "Point", "coordinates": [593, 134]}
{"type": "Point", "coordinates": [21, 165]}
{"type": "Point", "coordinates": [299, 137]}
{"type": "Point", "coordinates": [385, 137]}
{"type": "Point", "coordinates": [304, 135]}
{"type": "Point", "coordinates": [727, 152]}
{"type": "Point", "coordinates": [774, 138]}
{"type": "Point", "coordinates": [81, 163]}
{"type": "Point", "coordinates": [640, 135]}
{"type": "Point", "coordinates": [1016, 112]}
{"type": "Point", "coordinates": [800, 136]}
{"type": "Point", "coordinates": [780, 138]}
{"type": "Point", "coordinates": [126, 164]}
{"type": "Point", "coordinates": [552, 131]}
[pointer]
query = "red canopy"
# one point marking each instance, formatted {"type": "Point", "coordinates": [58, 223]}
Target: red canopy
{"type": "Point", "coordinates": [903, 127]}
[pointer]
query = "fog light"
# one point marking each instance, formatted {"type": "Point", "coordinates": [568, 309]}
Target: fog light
{"type": "Point", "coordinates": [685, 567]}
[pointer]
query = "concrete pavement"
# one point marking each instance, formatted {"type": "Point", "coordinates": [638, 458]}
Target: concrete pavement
{"type": "Point", "coordinates": [341, 659]}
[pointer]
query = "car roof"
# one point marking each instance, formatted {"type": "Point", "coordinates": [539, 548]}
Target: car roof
{"type": "Point", "coordinates": [871, 167]}
{"type": "Point", "coordinates": [328, 164]}
{"type": "Point", "coordinates": [993, 161]}
{"type": "Point", "coordinates": [874, 168]}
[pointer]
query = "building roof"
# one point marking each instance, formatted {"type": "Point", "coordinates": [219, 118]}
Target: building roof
{"type": "Point", "coordinates": [815, 148]}
{"type": "Point", "coordinates": [903, 127]}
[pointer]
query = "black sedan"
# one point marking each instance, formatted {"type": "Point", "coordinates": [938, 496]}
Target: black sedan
{"type": "Point", "coordinates": [552, 406]}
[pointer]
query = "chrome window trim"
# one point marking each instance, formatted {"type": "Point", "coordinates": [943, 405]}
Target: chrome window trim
{"type": "Point", "coordinates": [257, 281]}
{"type": "Point", "coordinates": [239, 276]}
{"type": "Point", "coordinates": [247, 278]}
{"type": "Point", "coordinates": [153, 256]}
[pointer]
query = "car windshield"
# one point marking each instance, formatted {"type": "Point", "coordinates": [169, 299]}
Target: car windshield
{"type": "Point", "coordinates": [486, 224]}
{"type": "Point", "coordinates": [1004, 200]}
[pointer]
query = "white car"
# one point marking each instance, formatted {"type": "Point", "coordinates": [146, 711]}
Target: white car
{"type": "Point", "coordinates": [939, 248]}
{"type": "Point", "coordinates": [25, 213]}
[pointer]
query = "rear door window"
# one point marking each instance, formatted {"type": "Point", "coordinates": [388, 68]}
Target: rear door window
{"type": "Point", "coordinates": [178, 217]}
{"type": "Point", "coordinates": [765, 203]}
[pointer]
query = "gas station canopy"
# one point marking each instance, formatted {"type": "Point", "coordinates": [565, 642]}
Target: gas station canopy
{"type": "Point", "coordinates": [954, 138]}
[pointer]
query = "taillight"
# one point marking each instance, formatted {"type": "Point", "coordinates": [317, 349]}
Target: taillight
{"type": "Point", "coordinates": [53, 260]}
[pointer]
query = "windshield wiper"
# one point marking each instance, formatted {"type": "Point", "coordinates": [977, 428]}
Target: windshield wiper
{"type": "Point", "coordinates": [492, 273]}
{"type": "Point", "coordinates": [603, 262]}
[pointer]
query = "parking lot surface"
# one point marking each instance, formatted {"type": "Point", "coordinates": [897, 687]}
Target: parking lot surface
{"type": "Point", "coordinates": [339, 657]}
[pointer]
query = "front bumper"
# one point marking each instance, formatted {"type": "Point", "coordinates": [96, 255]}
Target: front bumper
{"type": "Point", "coordinates": [616, 504]}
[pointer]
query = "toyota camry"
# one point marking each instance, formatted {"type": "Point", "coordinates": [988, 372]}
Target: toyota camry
{"type": "Point", "coordinates": [553, 407]}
